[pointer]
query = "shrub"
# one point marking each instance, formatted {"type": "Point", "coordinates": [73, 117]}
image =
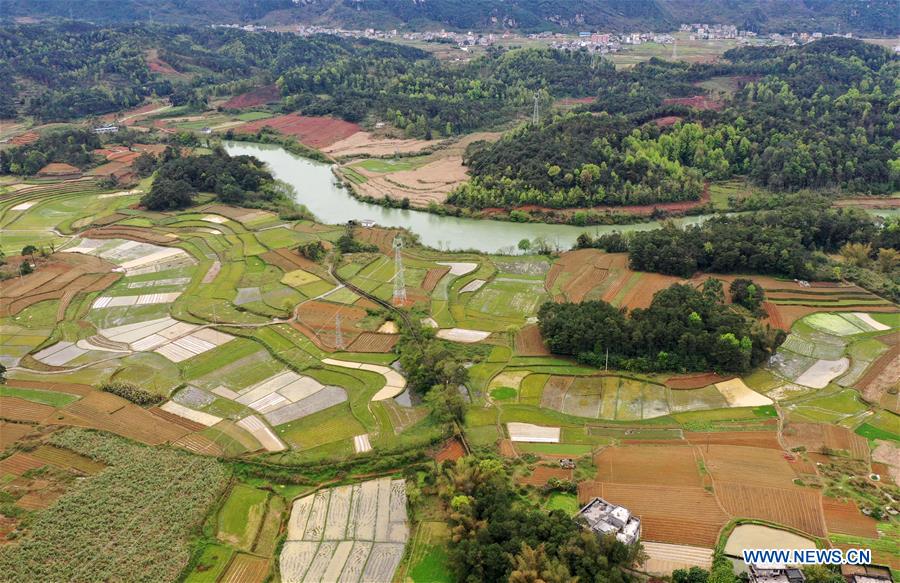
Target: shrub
{"type": "Point", "coordinates": [132, 393]}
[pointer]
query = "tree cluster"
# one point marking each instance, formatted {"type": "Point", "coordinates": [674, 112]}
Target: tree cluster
{"type": "Point", "coordinates": [498, 536]}
{"type": "Point", "coordinates": [683, 329]}
{"type": "Point", "coordinates": [238, 180]}
{"type": "Point", "coordinates": [69, 146]}
{"type": "Point", "coordinates": [773, 242]}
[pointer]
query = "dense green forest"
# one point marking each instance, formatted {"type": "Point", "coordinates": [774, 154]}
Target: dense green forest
{"type": "Point", "coordinates": [817, 116]}
{"type": "Point", "coordinates": [71, 70]}
{"type": "Point", "coordinates": [857, 16]}
{"type": "Point", "coordinates": [683, 329]}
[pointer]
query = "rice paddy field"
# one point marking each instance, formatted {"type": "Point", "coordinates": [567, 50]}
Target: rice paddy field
{"type": "Point", "coordinates": [259, 353]}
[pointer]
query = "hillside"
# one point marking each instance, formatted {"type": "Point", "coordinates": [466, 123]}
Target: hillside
{"type": "Point", "coordinates": [874, 17]}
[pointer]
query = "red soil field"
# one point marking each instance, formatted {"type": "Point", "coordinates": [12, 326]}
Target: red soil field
{"type": "Point", "coordinates": [12, 432]}
{"type": "Point", "coordinates": [246, 569]}
{"type": "Point", "coordinates": [61, 279]}
{"type": "Point", "coordinates": [16, 409]}
{"type": "Point", "coordinates": [452, 451]}
{"type": "Point", "coordinates": [845, 518]}
{"type": "Point", "coordinates": [111, 413]}
{"type": "Point", "coordinates": [19, 463]}
{"type": "Point", "coordinates": [542, 474]}
{"type": "Point", "coordinates": [582, 271]}
{"type": "Point", "coordinates": [530, 343]}
{"type": "Point", "coordinates": [695, 381]}
{"type": "Point", "coordinates": [72, 388]}
{"type": "Point", "coordinates": [747, 465]}
{"type": "Point", "coordinates": [288, 260]}
{"type": "Point", "coordinates": [761, 439]}
{"type": "Point", "coordinates": [199, 444]}
{"type": "Point", "coordinates": [640, 295]}
{"type": "Point", "coordinates": [25, 139]}
{"type": "Point", "coordinates": [256, 97]}
{"type": "Point", "coordinates": [664, 465]}
{"type": "Point", "coordinates": [157, 65]}
{"type": "Point", "coordinates": [667, 121]}
{"type": "Point", "coordinates": [374, 342]}
{"type": "Point", "coordinates": [803, 468]}
{"type": "Point", "coordinates": [432, 277]}
{"type": "Point", "coordinates": [774, 316]}
{"type": "Point", "coordinates": [507, 449]}
{"type": "Point", "coordinates": [177, 419]}
{"type": "Point", "coordinates": [815, 436]}
{"type": "Point", "coordinates": [686, 516]}
{"type": "Point", "coordinates": [881, 375]}
{"type": "Point", "coordinates": [795, 507]}
{"type": "Point", "coordinates": [315, 132]}
{"type": "Point", "coordinates": [381, 238]}
{"type": "Point", "coordinates": [697, 102]}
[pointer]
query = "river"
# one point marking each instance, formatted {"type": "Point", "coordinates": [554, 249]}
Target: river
{"type": "Point", "coordinates": [318, 189]}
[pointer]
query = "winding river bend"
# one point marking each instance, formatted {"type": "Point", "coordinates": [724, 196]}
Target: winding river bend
{"type": "Point", "coordinates": [330, 202]}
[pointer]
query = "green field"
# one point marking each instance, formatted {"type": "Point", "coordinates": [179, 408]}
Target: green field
{"type": "Point", "coordinates": [38, 396]}
{"type": "Point", "coordinates": [241, 516]}
{"type": "Point", "coordinates": [211, 564]}
{"type": "Point", "coordinates": [384, 165]}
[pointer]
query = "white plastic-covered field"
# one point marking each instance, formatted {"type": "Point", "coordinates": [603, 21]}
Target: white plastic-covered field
{"type": "Point", "coordinates": [262, 432]}
{"type": "Point", "coordinates": [739, 394]}
{"type": "Point", "coordinates": [472, 286]}
{"type": "Point", "coordinates": [458, 267]}
{"type": "Point", "coordinates": [136, 300]}
{"type": "Point", "coordinates": [286, 397]}
{"type": "Point", "coordinates": [175, 340]}
{"type": "Point", "coordinates": [463, 335]}
{"type": "Point", "coordinates": [133, 257]}
{"type": "Point", "coordinates": [349, 533]}
{"type": "Point", "coordinates": [361, 443]}
{"type": "Point", "coordinates": [60, 353]}
{"type": "Point", "coordinates": [188, 413]}
{"type": "Point", "coordinates": [533, 433]}
{"type": "Point", "coordinates": [823, 372]}
{"type": "Point", "coordinates": [394, 383]}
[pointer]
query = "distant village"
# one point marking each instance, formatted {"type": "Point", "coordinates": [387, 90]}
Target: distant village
{"type": "Point", "coordinates": [588, 40]}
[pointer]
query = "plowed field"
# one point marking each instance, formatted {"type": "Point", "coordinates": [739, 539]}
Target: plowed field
{"type": "Point", "coordinates": [672, 515]}
{"type": "Point", "coordinates": [795, 507]}
{"type": "Point", "coordinates": [669, 465]}
{"type": "Point", "coordinates": [845, 518]}
{"type": "Point", "coordinates": [815, 436]}
{"type": "Point", "coordinates": [315, 132]}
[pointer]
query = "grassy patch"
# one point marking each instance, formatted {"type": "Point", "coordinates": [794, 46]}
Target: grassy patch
{"type": "Point", "coordinates": [38, 396]}
{"type": "Point", "coordinates": [211, 564]}
{"type": "Point", "coordinates": [241, 516]}
{"type": "Point", "coordinates": [504, 393]}
{"type": "Point", "coordinates": [561, 501]}
{"type": "Point", "coordinates": [572, 449]}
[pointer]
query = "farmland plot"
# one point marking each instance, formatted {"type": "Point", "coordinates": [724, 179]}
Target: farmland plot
{"type": "Point", "coordinates": [348, 533]}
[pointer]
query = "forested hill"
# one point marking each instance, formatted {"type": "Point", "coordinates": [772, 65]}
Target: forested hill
{"type": "Point", "coordinates": [865, 17]}
{"type": "Point", "coordinates": [818, 116]}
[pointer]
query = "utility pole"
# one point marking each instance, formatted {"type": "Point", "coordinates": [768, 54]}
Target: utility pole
{"type": "Point", "coordinates": [399, 298]}
{"type": "Point", "coordinates": [338, 333]}
{"type": "Point", "coordinates": [607, 359]}
{"type": "Point", "coordinates": [536, 116]}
